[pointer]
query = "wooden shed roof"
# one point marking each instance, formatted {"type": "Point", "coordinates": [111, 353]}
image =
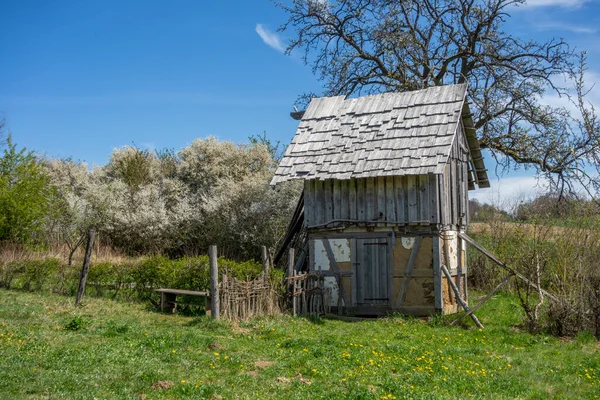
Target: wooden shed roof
{"type": "Point", "coordinates": [387, 134]}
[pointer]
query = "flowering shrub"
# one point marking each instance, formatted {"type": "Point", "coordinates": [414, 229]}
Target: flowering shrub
{"type": "Point", "coordinates": [211, 192]}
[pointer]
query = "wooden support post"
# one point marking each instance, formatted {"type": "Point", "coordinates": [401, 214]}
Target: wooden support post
{"type": "Point", "coordinates": [86, 265]}
{"type": "Point", "coordinates": [437, 275]}
{"type": "Point", "coordinates": [290, 274]}
{"type": "Point", "coordinates": [265, 260]}
{"type": "Point", "coordinates": [294, 297]}
{"type": "Point", "coordinates": [214, 282]}
{"type": "Point", "coordinates": [459, 298]}
{"type": "Point", "coordinates": [486, 298]}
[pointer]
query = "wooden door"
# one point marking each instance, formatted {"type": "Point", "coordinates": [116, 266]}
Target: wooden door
{"type": "Point", "coordinates": [372, 271]}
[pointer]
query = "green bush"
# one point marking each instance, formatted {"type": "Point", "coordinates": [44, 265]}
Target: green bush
{"type": "Point", "coordinates": [37, 273]}
{"type": "Point", "coordinates": [76, 323]}
{"type": "Point", "coordinates": [131, 280]}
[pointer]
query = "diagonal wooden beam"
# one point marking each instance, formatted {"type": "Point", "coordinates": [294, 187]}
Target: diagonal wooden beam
{"type": "Point", "coordinates": [486, 298]}
{"type": "Point", "coordinates": [409, 270]}
{"type": "Point", "coordinates": [336, 270]}
{"type": "Point", "coordinates": [506, 267]}
{"type": "Point", "coordinates": [459, 298]}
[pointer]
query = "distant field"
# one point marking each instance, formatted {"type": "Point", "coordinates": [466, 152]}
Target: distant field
{"type": "Point", "coordinates": [114, 350]}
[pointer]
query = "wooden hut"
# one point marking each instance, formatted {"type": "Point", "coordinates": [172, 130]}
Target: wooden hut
{"type": "Point", "coordinates": [385, 195]}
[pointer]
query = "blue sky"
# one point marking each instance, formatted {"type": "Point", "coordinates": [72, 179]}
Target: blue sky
{"type": "Point", "coordinates": [80, 78]}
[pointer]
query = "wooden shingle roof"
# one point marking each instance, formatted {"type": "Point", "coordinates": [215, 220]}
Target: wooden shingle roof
{"type": "Point", "coordinates": [380, 135]}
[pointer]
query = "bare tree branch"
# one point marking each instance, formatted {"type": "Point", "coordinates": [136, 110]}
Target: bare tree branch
{"type": "Point", "coordinates": [370, 46]}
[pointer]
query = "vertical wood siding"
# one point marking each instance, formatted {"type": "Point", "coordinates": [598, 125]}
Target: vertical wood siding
{"type": "Point", "coordinates": [398, 200]}
{"type": "Point", "coordinates": [386, 201]}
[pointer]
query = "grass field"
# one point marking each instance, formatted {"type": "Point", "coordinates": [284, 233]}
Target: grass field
{"type": "Point", "coordinates": [111, 350]}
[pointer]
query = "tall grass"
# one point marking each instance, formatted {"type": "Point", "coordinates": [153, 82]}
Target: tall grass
{"type": "Point", "coordinates": [563, 259]}
{"type": "Point", "coordinates": [113, 275]}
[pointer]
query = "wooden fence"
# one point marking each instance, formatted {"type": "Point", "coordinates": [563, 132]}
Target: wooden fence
{"type": "Point", "coordinates": [240, 300]}
{"type": "Point", "coordinates": [309, 296]}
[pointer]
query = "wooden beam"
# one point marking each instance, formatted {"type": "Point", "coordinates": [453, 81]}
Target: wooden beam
{"type": "Point", "coordinates": [459, 298]}
{"type": "Point", "coordinates": [506, 267]}
{"type": "Point", "coordinates": [336, 270]}
{"type": "Point", "coordinates": [437, 275]}
{"type": "Point", "coordinates": [86, 266]}
{"type": "Point", "coordinates": [409, 270]}
{"type": "Point", "coordinates": [214, 282]}
{"type": "Point", "coordinates": [486, 298]}
{"type": "Point", "coordinates": [291, 284]}
{"type": "Point", "coordinates": [265, 260]}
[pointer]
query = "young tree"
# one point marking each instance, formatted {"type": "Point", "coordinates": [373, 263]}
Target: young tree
{"type": "Point", "coordinates": [370, 46]}
{"type": "Point", "coordinates": [24, 193]}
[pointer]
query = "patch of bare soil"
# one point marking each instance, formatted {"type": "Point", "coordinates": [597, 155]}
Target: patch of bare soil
{"type": "Point", "coordinates": [162, 385]}
{"type": "Point", "coordinates": [236, 328]}
{"type": "Point", "coordinates": [215, 346]}
{"type": "Point", "coordinates": [299, 378]}
{"type": "Point", "coordinates": [262, 364]}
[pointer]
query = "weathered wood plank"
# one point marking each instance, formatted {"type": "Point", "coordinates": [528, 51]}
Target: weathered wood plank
{"type": "Point", "coordinates": [390, 207]}
{"type": "Point", "coordinates": [371, 199]}
{"type": "Point", "coordinates": [437, 274]}
{"type": "Point", "coordinates": [409, 270]}
{"type": "Point", "coordinates": [352, 192]}
{"type": "Point", "coordinates": [400, 191]}
{"type": "Point", "coordinates": [328, 193]}
{"type": "Point", "coordinates": [433, 199]}
{"type": "Point", "coordinates": [443, 198]}
{"type": "Point", "coordinates": [424, 198]}
{"type": "Point", "coordinates": [391, 243]}
{"type": "Point", "coordinates": [319, 203]}
{"type": "Point", "coordinates": [353, 262]}
{"type": "Point", "coordinates": [336, 199]}
{"type": "Point", "coordinates": [344, 210]}
{"type": "Point", "coordinates": [413, 208]}
{"type": "Point", "coordinates": [381, 201]}
{"type": "Point", "coordinates": [361, 201]}
{"type": "Point", "coordinates": [309, 203]}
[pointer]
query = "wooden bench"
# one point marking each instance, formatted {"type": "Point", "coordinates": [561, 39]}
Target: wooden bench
{"type": "Point", "coordinates": [168, 298]}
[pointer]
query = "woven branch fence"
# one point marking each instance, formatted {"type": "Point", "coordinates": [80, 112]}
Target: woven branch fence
{"type": "Point", "coordinates": [309, 294]}
{"type": "Point", "coordinates": [241, 300]}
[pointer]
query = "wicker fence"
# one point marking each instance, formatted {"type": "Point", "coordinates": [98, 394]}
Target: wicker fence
{"type": "Point", "coordinates": [309, 294]}
{"type": "Point", "coordinates": [240, 300]}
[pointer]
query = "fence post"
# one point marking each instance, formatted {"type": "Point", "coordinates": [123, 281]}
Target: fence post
{"type": "Point", "coordinates": [290, 274]}
{"type": "Point", "coordinates": [86, 265]}
{"type": "Point", "coordinates": [214, 282]}
{"type": "Point", "coordinates": [265, 260]}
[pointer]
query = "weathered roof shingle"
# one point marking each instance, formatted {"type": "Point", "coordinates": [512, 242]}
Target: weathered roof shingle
{"type": "Point", "coordinates": [380, 135]}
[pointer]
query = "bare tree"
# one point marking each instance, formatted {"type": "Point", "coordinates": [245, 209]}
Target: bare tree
{"type": "Point", "coordinates": [371, 46]}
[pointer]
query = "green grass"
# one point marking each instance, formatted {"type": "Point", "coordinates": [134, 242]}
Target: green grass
{"type": "Point", "coordinates": [111, 350]}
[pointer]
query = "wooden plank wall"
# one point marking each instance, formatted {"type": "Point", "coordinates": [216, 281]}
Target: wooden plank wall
{"type": "Point", "coordinates": [386, 201]}
{"type": "Point", "coordinates": [454, 184]}
{"type": "Point", "coordinates": [395, 200]}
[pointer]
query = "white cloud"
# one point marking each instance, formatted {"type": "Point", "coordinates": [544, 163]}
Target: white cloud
{"type": "Point", "coordinates": [556, 3]}
{"type": "Point", "coordinates": [507, 192]}
{"type": "Point", "coordinates": [270, 38]}
{"type": "Point", "coordinates": [565, 27]}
